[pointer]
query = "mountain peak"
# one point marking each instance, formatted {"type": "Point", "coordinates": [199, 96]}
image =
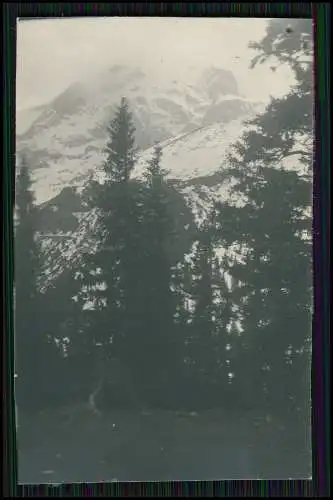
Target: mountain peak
{"type": "Point", "coordinates": [218, 82]}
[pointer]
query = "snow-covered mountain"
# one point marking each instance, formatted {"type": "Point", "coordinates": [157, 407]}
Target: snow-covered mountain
{"type": "Point", "coordinates": [195, 125]}
{"type": "Point", "coordinates": [192, 161]}
{"type": "Point", "coordinates": [66, 139]}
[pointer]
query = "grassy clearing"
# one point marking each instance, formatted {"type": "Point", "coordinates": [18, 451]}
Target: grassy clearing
{"type": "Point", "coordinates": [159, 446]}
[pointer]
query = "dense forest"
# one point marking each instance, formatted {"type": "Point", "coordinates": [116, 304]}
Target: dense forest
{"type": "Point", "coordinates": [175, 322]}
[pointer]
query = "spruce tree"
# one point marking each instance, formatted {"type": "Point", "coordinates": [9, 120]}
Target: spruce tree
{"type": "Point", "coordinates": [116, 263]}
{"type": "Point", "coordinates": [29, 344]}
{"type": "Point", "coordinates": [272, 233]}
{"type": "Point", "coordinates": [27, 251]}
{"type": "Point", "coordinates": [158, 304]}
{"type": "Point", "coordinates": [120, 147]}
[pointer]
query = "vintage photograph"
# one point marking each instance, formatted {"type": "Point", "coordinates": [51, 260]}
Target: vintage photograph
{"type": "Point", "coordinates": [163, 249]}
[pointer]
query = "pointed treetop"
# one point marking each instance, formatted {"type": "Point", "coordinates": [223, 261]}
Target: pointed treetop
{"type": "Point", "coordinates": [24, 194]}
{"type": "Point", "coordinates": [120, 148]}
{"type": "Point", "coordinates": [155, 174]}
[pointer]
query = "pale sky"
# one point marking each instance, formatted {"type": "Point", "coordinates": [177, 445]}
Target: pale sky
{"type": "Point", "coordinates": [53, 53]}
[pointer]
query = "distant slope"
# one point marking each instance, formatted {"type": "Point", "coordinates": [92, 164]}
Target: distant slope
{"type": "Point", "coordinates": [26, 117]}
{"type": "Point", "coordinates": [198, 153]}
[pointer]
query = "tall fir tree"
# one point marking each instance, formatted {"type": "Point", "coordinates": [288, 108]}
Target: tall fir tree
{"type": "Point", "coordinates": [29, 343]}
{"type": "Point", "coordinates": [120, 147]}
{"type": "Point", "coordinates": [272, 231]}
{"type": "Point", "coordinates": [113, 276]}
{"type": "Point", "coordinates": [158, 301]}
{"type": "Point", "coordinates": [158, 228]}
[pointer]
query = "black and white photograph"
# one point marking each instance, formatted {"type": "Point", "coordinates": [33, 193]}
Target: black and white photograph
{"type": "Point", "coordinates": [163, 249]}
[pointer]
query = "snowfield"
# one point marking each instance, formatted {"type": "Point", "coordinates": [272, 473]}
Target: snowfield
{"type": "Point", "coordinates": [195, 154]}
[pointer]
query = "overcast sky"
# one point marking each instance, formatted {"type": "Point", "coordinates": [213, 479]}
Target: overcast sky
{"type": "Point", "coordinates": [52, 54]}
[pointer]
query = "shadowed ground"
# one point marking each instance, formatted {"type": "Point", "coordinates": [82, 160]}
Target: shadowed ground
{"type": "Point", "coordinates": [162, 445]}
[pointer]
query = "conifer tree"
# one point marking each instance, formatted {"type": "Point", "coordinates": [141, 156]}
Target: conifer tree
{"type": "Point", "coordinates": [120, 147]}
{"type": "Point", "coordinates": [158, 300]}
{"type": "Point", "coordinates": [29, 345]}
{"type": "Point", "coordinates": [272, 233]}
{"type": "Point", "coordinates": [27, 251]}
{"type": "Point", "coordinates": [112, 273]}
{"type": "Point", "coordinates": [211, 314]}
